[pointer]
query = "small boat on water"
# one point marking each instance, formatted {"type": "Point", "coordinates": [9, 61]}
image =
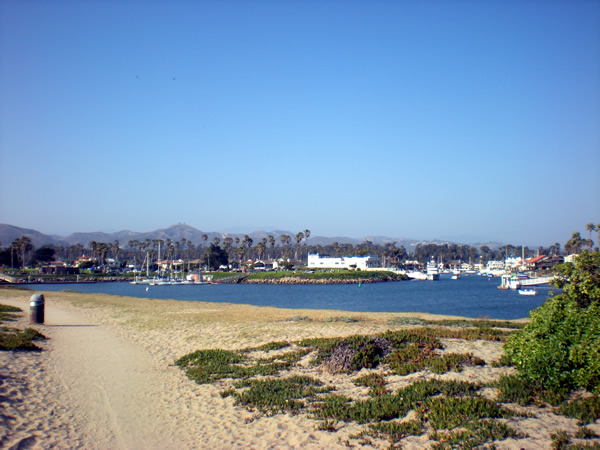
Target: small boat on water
{"type": "Point", "coordinates": [433, 273]}
{"type": "Point", "coordinates": [527, 292]}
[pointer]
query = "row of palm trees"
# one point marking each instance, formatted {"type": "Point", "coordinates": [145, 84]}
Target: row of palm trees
{"type": "Point", "coordinates": [243, 248]}
{"type": "Point", "coordinates": [185, 249]}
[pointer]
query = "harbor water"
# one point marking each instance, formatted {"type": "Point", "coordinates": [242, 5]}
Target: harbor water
{"type": "Point", "coordinates": [470, 296]}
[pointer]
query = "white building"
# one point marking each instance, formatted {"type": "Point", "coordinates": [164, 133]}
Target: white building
{"type": "Point", "coordinates": [495, 265]}
{"type": "Point", "coordinates": [344, 262]}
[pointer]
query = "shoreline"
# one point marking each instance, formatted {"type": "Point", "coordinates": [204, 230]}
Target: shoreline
{"type": "Point", "coordinates": [286, 280]}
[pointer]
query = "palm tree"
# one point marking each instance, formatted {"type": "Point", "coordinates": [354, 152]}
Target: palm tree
{"type": "Point", "coordinates": [94, 248]}
{"type": "Point", "coordinates": [299, 237]}
{"type": "Point", "coordinates": [132, 244]}
{"type": "Point", "coordinates": [102, 249]}
{"type": "Point", "coordinates": [23, 245]}
{"type": "Point", "coordinates": [306, 235]}
{"type": "Point", "coordinates": [272, 242]}
{"type": "Point", "coordinates": [260, 248]}
{"type": "Point", "coordinates": [248, 242]}
{"type": "Point", "coordinates": [285, 239]}
{"type": "Point", "coordinates": [573, 245]}
{"type": "Point", "coordinates": [227, 243]}
{"type": "Point", "coordinates": [590, 227]}
{"type": "Point", "coordinates": [14, 250]}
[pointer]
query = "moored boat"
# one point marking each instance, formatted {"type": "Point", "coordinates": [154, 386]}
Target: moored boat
{"type": "Point", "coordinates": [433, 273]}
{"type": "Point", "coordinates": [527, 292]}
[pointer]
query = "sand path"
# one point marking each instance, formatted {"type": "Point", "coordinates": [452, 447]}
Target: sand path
{"type": "Point", "coordinates": [112, 384]}
{"type": "Point", "coordinates": [110, 390]}
{"type": "Point", "coordinates": [93, 388]}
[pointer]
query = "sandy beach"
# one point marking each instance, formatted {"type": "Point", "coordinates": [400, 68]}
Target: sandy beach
{"type": "Point", "coordinates": [106, 377]}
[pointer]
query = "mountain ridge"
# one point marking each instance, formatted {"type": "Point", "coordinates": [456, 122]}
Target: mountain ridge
{"type": "Point", "coordinates": [8, 233]}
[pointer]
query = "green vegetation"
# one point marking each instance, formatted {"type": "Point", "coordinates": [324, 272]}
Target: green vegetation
{"type": "Point", "coordinates": [455, 411]}
{"type": "Point", "coordinates": [273, 395]}
{"type": "Point", "coordinates": [559, 349]}
{"type": "Point", "coordinates": [473, 434]}
{"type": "Point", "coordinates": [374, 381]}
{"type": "Point", "coordinates": [326, 276]}
{"type": "Point", "coordinates": [8, 313]}
{"type": "Point", "coordinates": [343, 319]}
{"type": "Point", "coordinates": [207, 366]}
{"type": "Point", "coordinates": [15, 339]}
{"type": "Point", "coordinates": [587, 410]}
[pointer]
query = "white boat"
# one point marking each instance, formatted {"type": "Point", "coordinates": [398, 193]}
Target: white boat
{"type": "Point", "coordinates": [416, 275]}
{"type": "Point", "coordinates": [433, 273]}
{"type": "Point", "coordinates": [527, 292]}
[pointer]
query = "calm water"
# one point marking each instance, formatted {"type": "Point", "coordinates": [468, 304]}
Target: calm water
{"type": "Point", "coordinates": [471, 296]}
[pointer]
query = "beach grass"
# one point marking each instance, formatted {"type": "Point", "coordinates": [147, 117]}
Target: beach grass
{"type": "Point", "coordinates": [441, 405]}
{"type": "Point", "coordinates": [14, 338]}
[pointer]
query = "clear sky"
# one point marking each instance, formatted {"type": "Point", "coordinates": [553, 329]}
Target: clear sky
{"type": "Point", "coordinates": [416, 119]}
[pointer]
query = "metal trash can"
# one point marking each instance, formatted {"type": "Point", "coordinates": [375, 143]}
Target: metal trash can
{"type": "Point", "coordinates": [36, 308]}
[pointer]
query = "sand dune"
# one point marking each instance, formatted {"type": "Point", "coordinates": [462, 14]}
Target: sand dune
{"type": "Point", "coordinates": [106, 377]}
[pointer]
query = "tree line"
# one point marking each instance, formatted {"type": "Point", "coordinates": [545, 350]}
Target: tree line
{"type": "Point", "coordinates": [238, 250]}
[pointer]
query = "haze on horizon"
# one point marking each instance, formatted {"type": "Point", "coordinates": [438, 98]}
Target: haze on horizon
{"type": "Point", "coordinates": [418, 120]}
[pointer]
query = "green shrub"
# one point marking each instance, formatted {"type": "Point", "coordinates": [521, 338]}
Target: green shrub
{"type": "Point", "coordinates": [299, 319]}
{"type": "Point", "coordinates": [273, 346]}
{"type": "Point", "coordinates": [343, 319]}
{"type": "Point", "coordinates": [374, 381]}
{"type": "Point", "coordinates": [560, 439]}
{"type": "Point", "coordinates": [206, 366]}
{"type": "Point", "coordinates": [585, 433]}
{"type": "Point", "coordinates": [7, 313]}
{"type": "Point", "coordinates": [560, 347]}
{"type": "Point", "coordinates": [274, 395]}
{"type": "Point", "coordinates": [20, 340]}
{"type": "Point", "coordinates": [394, 431]}
{"type": "Point", "coordinates": [450, 412]}
{"type": "Point", "coordinates": [515, 389]}
{"type": "Point", "coordinates": [14, 339]}
{"type": "Point", "coordinates": [474, 434]}
{"type": "Point", "coordinates": [587, 410]}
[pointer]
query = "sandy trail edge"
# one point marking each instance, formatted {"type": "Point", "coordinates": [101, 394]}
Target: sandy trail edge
{"type": "Point", "coordinates": [106, 379]}
{"type": "Point", "coordinates": [109, 391]}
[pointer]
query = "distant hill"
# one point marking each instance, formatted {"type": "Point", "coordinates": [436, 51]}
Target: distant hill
{"type": "Point", "coordinates": [9, 233]}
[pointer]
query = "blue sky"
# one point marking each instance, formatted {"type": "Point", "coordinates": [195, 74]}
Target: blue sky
{"type": "Point", "coordinates": [407, 119]}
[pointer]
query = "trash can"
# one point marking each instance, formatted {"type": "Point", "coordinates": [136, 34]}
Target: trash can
{"type": "Point", "coordinates": [36, 308]}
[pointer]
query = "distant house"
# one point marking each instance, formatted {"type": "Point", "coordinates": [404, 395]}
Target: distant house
{"type": "Point", "coordinates": [542, 262]}
{"type": "Point", "coordinates": [548, 262]}
{"type": "Point", "coordinates": [58, 268]}
{"type": "Point", "coordinates": [495, 265]}
{"type": "Point", "coordinates": [344, 262]}
{"type": "Point", "coordinates": [84, 260]}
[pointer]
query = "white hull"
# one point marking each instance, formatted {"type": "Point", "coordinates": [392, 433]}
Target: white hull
{"type": "Point", "coordinates": [527, 292]}
{"type": "Point", "coordinates": [416, 275]}
{"type": "Point", "coordinates": [433, 273]}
